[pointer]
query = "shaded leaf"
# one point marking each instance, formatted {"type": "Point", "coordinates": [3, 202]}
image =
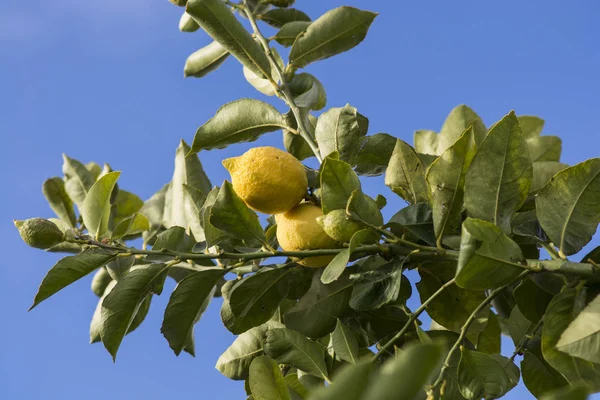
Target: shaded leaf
{"type": "Point", "coordinates": [336, 31]}
{"type": "Point", "coordinates": [344, 343]}
{"type": "Point", "coordinates": [481, 375]}
{"type": "Point", "coordinates": [194, 200]}
{"type": "Point", "coordinates": [341, 130]}
{"type": "Point", "coordinates": [568, 206]}
{"type": "Point", "coordinates": [488, 340]}
{"type": "Point", "coordinates": [133, 225]}
{"type": "Point", "coordinates": [78, 179]}
{"type": "Point", "coordinates": [365, 208]}
{"type": "Point", "coordinates": [95, 210]}
{"type": "Point", "coordinates": [579, 392]}
{"type": "Point", "coordinates": [231, 215]}
{"type": "Point", "coordinates": [530, 125]}
{"type": "Point", "coordinates": [544, 148]}
{"type": "Point", "coordinates": [153, 209]}
{"type": "Point", "coordinates": [206, 60]}
{"type": "Point", "coordinates": [338, 181]}
{"type": "Point", "coordinates": [71, 269]}
{"type": "Point", "coordinates": [60, 202]}
{"type": "Point", "coordinates": [278, 17]}
{"type": "Point", "coordinates": [446, 179]}
{"type": "Point", "coordinates": [543, 171]}
{"type": "Point", "coordinates": [122, 303]}
{"type": "Point", "coordinates": [125, 205]}
{"type": "Point", "coordinates": [308, 92]}
{"type": "Point", "coordinates": [373, 289]}
{"type": "Point", "coordinates": [538, 376]}
{"type": "Point", "coordinates": [415, 219]}
{"type": "Point", "coordinates": [212, 235]}
{"type": "Point", "coordinates": [294, 143]}
{"type": "Point", "coordinates": [242, 120]}
{"type": "Point", "coordinates": [488, 258]}
{"type": "Point", "coordinates": [349, 384]}
{"type": "Point", "coordinates": [582, 337]}
{"type": "Point", "coordinates": [374, 154]}
{"type": "Point", "coordinates": [292, 348]}
{"type": "Point", "coordinates": [405, 174]}
{"type": "Point", "coordinates": [218, 21]}
{"type": "Point", "coordinates": [186, 305]}
{"type": "Point", "coordinates": [531, 299]}
{"type": "Point", "coordinates": [266, 380]}
{"type": "Point", "coordinates": [175, 239]}
{"type": "Point", "coordinates": [290, 31]}
{"type": "Point", "coordinates": [499, 179]}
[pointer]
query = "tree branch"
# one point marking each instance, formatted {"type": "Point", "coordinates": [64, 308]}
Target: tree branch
{"type": "Point", "coordinates": [283, 87]}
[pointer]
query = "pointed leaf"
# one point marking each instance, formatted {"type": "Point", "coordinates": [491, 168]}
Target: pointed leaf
{"type": "Point", "coordinates": [530, 125]}
{"type": "Point", "coordinates": [122, 303]}
{"type": "Point", "coordinates": [459, 119]}
{"type": "Point", "coordinates": [416, 220]}
{"type": "Point", "coordinates": [95, 210]}
{"type": "Point", "coordinates": [254, 299]}
{"type": "Point", "coordinates": [125, 205]}
{"type": "Point", "coordinates": [278, 17]}
{"type": "Point", "coordinates": [446, 180]}
{"type": "Point", "coordinates": [334, 32]}
{"type": "Point", "coordinates": [544, 148]}
{"type": "Point", "coordinates": [568, 206]}
{"type": "Point", "coordinates": [78, 179]}
{"type": "Point", "coordinates": [338, 181]}
{"type": "Point", "coordinates": [242, 120]}
{"type": "Point", "coordinates": [543, 171]}
{"type": "Point", "coordinates": [481, 375]}
{"type": "Point", "coordinates": [186, 304]}
{"type": "Point", "coordinates": [341, 130]}
{"type": "Point", "coordinates": [235, 362]}
{"type": "Point", "coordinates": [498, 181]}
{"type": "Point", "coordinates": [60, 202]}
{"type": "Point", "coordinates": [266, 380]}
{"type": "Point", "coordinates": [582, 337]}
{"type": "Point", "coordinates": [71, 269]}
{"type": "Point", "coordinates": [531, 299]}
{"type": "Point", "coordinates": [374, 154]}
{"type": "Point", "coordinates": [212, 235]}
{"type": "Point", "coordinates": [538, 376]}
{"type": "Point", "coordinates": [133, 225]}
{"type": "Point", "coordinates": [290, 347]}
{"type": "Point", "coordinates": [376, 288]}
{"type": "Point", "coordinates": [218, 21]}
{"type": "Point", "coordinates": [290, 31]}
{"type": "Point", "coordinates": [153, 209]}
{"type": "Point", "coordinates": [488, 258]}
{"type": "Point", "coordinates": [194, 200]}
{"type": "Point", "coordinates": [365, 208]}
{"type": "Point", "coordinates": [405, 174]}
{"type": "Point", "coordinates": [344, 343]}
{"type": "Point", "coordinates": [231, 215]}
{"type": "Point", "coordinates": [336, 267]}
{"type": "Point", "coordinates": [206, 60]}
{"type": "Point", "coordinates": [488, 340]}
{"type": "Point", "coordinates": [175, 239]}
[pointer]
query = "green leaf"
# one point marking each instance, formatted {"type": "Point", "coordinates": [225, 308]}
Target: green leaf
{"type": "Point", "coordinates": [297, 390]}
{"type": "Point", "coordinates": [153, 209]}
{"type": "Point", "coordinates": [488, 340]}
{"type": "Point", "coordinates": [349, 384]}
{"type": "Point", "coordinates": [416, 220]}
{"type": "Point", "coordinates": [531, 299]}
{"type": "Point", "coordinates": [376, 288]}
{"type": "Point", "coordinates": [294, 143]}
{"type": "Point", "coordinates": [133, 225]}
{"type": "Point", "coordinates": [278, 17]}
{"type": "Point", "coordinates": [538, 376]}
{"type": "Point", "coordinates": [488, 258]}
{"type": "Point", "coordinates": [231, 215]}
{"type": "Point", "coordinates": [126, 204]}
{"type": "Point", "coordinates": [60, 202]}
{"type": "Point", "coordinates": [194, 200]}
{"type": "Point", "coordinates": [307, 91]}
{"type": "Point", "coordinates": [340, 129]}
{"type": "Point", "coordinates": [186, 305]}
{"type": "Point", "coordinates": [315, 315]}
{"type": "Point", "coordinates": [206, 60]}
{"type": "Point", "coordinates": [95, 210]}
{"type": "Point", "coordinates": [544, 148]}
{"type": "Point", "coordinates": [336, 31]}
{"type": "Point", "coordinates": [188, 171]}
{"type": "Point", "coordinates": [543, 171]}
{"type": "Point", "coordinates": [78, 179]}
{"type": "Point", "coordinates": [481, 375]}
{"type": "Point", "coordinates": [344, 343]}
{"type": "Point", "coordinates": [374, 155]}
{"type": "Point", "coordinates": [175, 239]}
{"type": "Point", "coordinates": [290, 31]}
{"type": "Point", "coordinates": [71, 269]}
{"type": "Point", "coordinates": [212, 235]}
{"type": "Point", "coordinates": [454, 305]}
{"type": "Point", "coordinates": [187, 23]}
{"type": "Point", "coordinates": [561, 311]}
{"type": "Point", "coordinates": [218, 21]}
{"type": "Point", "coordinates": [414, 364]}
{"type": "Point", "coordinates": [405, 175]}
{"type": "Point", "coordinates": [582, 337]}
{"type": "Point", "coordinates": [100, 281]}
{"type": "Point", "coordinates": [579, 392]}
{"type": "Point", "coordinates": [365, 208]}
{"type": "Point", "coordinates": [498, 181]}
{"type": "Point", "coordinates": [568, 206]}
{"type": "Point", "coordinates": [530, 125]}
{"type": "Point", "coordinates": [446, 180]}
{"type": "Point", "coordinates": [292, 348]}
{"type": "Point", "coordinates": [235, 362]}
{"type": "Point", "coordinates": [459, 119]}
{"type": "Point", "coordinates": [336, 267]}
{"type": "Point", "coordinates": [242, 120]}
{"type": "Point", "coordinates": [518, 326]}
{"type": "Point", "coordinates": [261, 83]}
{"type": "Point", "coordinates": [338, 181]}
{"type": "Point", "coordinates": [266, 380]}
{"type": "Point", "coordinates": [122, 303]}
{"type": "Point", "coordinates": [254, 299]}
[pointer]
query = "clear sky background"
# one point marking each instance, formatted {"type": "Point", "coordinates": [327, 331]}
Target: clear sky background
{"type": "Point", "coordinates": [103, 81]}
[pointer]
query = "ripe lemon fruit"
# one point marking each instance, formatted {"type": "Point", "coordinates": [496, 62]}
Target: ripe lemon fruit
{"type": "Point", "coordinates": [298, 230]}
{"type": "Point", "coordinates": [269, 180]}
{"type": "Point", "coordinates": [338, 226]}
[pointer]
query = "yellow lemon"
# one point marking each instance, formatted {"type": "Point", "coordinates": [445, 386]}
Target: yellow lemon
{"type": "Point", "coordinates": [269, 180]}
{"type": "Point", "coordinates": [298, 230]}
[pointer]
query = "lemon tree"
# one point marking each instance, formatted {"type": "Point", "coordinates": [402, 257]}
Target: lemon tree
{"type": "Point", "coordinates": [311, 278]}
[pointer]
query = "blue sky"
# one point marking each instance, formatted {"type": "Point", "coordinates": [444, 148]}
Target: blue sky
{"type": "Point", "coordinates": [103, 81]}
